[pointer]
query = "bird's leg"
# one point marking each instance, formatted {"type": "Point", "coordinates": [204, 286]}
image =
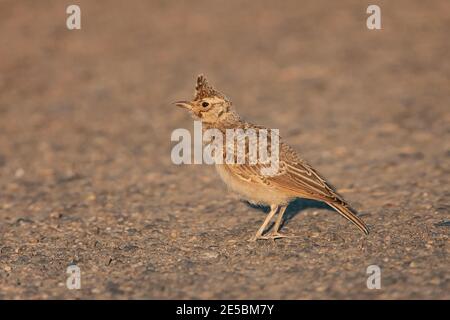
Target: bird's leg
{"type": "Point", "coordinates": [275, 234]}
{"type": "Point", "coordinates": [258, 235]}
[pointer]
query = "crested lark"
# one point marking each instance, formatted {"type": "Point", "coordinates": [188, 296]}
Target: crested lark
{"type": "Point", "coordinates": [294, 179]}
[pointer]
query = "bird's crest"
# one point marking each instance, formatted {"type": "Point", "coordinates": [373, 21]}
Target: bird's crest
{"type": "Point", "coordinates": [204, 90]}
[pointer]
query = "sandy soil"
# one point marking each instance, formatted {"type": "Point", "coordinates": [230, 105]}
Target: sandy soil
{"type": "Point", "coordinates": [85, 170]}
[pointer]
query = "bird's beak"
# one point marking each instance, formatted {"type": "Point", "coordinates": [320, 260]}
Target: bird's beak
{"type": "Point", "coordinates": [183, 104]}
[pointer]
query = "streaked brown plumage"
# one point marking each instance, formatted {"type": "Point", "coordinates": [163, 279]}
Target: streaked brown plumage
{"type": "Point", "coordinates": [294, 179]}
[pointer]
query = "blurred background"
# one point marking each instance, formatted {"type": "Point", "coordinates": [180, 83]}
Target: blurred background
{"type": "Point", "coordinates": [85, 170]}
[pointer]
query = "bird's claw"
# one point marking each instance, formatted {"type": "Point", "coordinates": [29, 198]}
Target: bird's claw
{"type": "Point", "coordinates": [271, 236]}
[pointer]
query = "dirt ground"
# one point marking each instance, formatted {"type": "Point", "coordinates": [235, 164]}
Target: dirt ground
{"type": "Point", "coordinates": [86, 176]}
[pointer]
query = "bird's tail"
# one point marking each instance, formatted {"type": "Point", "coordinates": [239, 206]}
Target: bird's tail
{"type": "Point", "coordinates": [350, 215]}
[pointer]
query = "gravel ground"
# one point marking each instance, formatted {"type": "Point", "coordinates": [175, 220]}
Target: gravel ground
{"type": "Point", "coordinates": [85, 170]}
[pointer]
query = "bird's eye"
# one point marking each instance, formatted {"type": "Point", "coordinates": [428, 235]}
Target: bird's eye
{"type": "Point", "coordinates": [205, 104]}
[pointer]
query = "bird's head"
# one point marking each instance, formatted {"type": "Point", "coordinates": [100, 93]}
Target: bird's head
{"type": "Point", "coordinates": [209, 105]}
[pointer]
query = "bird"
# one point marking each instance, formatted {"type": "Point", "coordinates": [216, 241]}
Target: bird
{"type": "Point", "coordinates": [294, 179]}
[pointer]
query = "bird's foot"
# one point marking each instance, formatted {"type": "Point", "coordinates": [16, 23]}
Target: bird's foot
{"type": "Point", "coordinates": [256, 238]}
{"type": "Point", "coordinates": [271, 236]}
{"type": "Point", "coordinates": [275, 235]}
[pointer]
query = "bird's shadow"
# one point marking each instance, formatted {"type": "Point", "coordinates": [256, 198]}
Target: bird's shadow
{"type": "Point", "coordinates": [295, 207]}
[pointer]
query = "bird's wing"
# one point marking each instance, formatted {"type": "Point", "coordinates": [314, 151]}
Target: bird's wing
{"type": "Point", "coordinates": [299, 176]}
{"type": "Point", "coordinates": [294, 176]}
{"type": "Point", "coordinates": [299, 179]}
